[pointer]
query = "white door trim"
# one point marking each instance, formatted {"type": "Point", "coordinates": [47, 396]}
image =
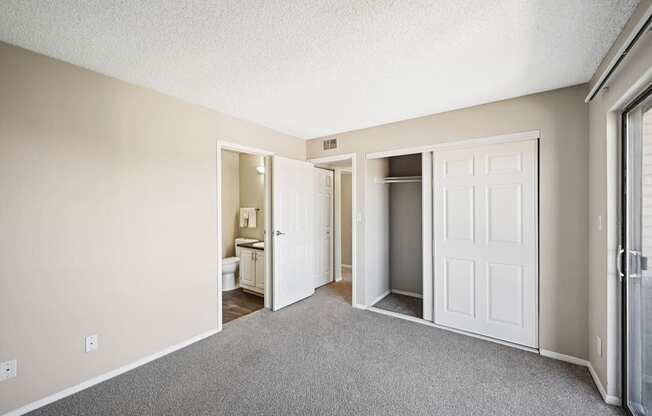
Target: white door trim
{"type": "Point", "coordinates": [503, 138]}
{"type": "Point", "coordinates": [337, 223]}
{"type": "Point", "coordinates": [334, 158]}
{"type": "Point", "coordinates": [223, 145]}
{"type": "Point", "coordinates": [354, 210]}
{"type": "Point", "coordinates": [244, 149]}
{"type": "Point", "coordinates": [428, 278]}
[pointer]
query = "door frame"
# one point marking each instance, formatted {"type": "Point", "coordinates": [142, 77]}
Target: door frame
{"type": "Point", "coordinates": [338, 220]}
{"type": "Point", "coordinates": [234, 147]}
{"type": "Point", "coordinates": [354, 223]}
{"type": "Point", "coordinates": [622, 269]}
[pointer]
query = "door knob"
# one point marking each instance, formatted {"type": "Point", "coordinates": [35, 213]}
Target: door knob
{"type": "Point", "coordinates": [279, 233]}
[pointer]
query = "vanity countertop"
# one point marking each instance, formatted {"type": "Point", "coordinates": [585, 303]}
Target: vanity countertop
{"type": "Point", "coordinates": [251, 245]}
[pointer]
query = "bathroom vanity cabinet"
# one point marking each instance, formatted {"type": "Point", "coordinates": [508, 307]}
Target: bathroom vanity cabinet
{"type": "Point", "coordinates": [252, 270]}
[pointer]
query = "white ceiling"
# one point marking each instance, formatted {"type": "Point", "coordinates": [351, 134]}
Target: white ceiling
{"type": "Point", "coordinates": [314, 68]}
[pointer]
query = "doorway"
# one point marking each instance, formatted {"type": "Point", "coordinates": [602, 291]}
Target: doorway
{"type": "Point", "coordinates": [335, 224]}
{"type": "Point", "coordinates": [633, 255]}
{"type": "Point", "coordinates": [288, 262]}
{"type": "Point", "coordinates": [243, 193]}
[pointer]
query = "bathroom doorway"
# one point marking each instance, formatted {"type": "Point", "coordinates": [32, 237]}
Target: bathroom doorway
{"type": "Point", "coordinates": [243, 218]}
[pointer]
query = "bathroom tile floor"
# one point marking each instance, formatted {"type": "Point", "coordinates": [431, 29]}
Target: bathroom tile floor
{"type": "Point", "coordinates": [237, 303]}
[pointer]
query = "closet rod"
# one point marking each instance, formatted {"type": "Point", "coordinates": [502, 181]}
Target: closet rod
{"type": "Point", "coordinates": [399, 179]}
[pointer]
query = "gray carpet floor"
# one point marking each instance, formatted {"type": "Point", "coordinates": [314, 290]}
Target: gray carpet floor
{"type": "Point", "coordinates": [322, 357]}
{"type": "Point", "coordinates": [406, 305]}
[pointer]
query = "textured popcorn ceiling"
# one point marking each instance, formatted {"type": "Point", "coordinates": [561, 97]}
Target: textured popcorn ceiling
{"type": "Point", "coordinates": [313, 68]}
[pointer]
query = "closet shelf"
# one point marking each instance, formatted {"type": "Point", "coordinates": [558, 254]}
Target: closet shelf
{"type": "Point", "coordinates": [399, 179]}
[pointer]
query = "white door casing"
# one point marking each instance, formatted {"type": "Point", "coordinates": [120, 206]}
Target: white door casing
{"type": "Point", "coordinates": [485, 240]}
{"type": "Point", "coordinates": [292, 228]}
{"type": "Point", "coordinates": [324, 180]}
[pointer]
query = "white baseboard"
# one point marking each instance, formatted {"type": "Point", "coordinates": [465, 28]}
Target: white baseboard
{"type": "Point", "coordinates": [347, 266]}
{"type": "Point", "coordinates": [445, 328]}
{"type": "Point", "coordinates": [406, 293]}
{"type": "Point", "coordinates": [609, 399]}
{"type": "Point", "coordinates": [106, 376]}
{"type": "Point", "coordinates": [564, 357]}
{"type": "Point", "coordinates": [385, 293]}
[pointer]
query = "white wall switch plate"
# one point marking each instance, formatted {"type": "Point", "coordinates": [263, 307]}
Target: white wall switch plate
{"type": "Point", "coordinates": [598, 346]}
{"type": "Point", "coordinates": [8, 369]}
{"type": "Point", "coordinates": [599, 222]}
{"type": "Point", "coordinates": [91, 343]}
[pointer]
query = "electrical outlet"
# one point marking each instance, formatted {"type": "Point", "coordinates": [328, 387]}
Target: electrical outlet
{"type": "Point", "coordinates": [598, 346]}
{"type": "Point", "coordinates": [8, 370]}
{"type": "Point", "coordinates": [91, 343]}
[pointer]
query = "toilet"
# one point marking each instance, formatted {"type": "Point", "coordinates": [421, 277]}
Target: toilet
{"type": "Point", "coordinates": [229, 266]}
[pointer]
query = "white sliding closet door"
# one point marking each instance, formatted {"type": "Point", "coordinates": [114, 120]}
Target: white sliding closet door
{"type": "Point", "coordinates": [485, 240]}
{"type": "Point", "coordinates": [323, 226]}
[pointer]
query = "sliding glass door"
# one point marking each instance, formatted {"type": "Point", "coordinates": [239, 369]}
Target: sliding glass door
{"type": "Point", "coordinates": [634, 252]}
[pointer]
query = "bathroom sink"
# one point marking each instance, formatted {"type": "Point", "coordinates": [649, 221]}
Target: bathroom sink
{"type": "Point", "coordinates": [260, 244]}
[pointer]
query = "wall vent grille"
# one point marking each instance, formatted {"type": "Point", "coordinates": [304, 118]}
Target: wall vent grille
{"type": "Point", "coordinates": [329, 144]}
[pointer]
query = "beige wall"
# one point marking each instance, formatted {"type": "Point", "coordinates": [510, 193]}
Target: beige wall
{"type": "Point", "coordinates": [252, 194]}
{"type": "Point", "coordinates": [345, 215]}
{"type": "Point", "coordinates": [562, 117]}
{"type": "Point", "coordinates": [604, 112]}
{"type": "Point", "coordinates": [230, 201]}
{"type": "Point", "coordinates": [108, 220]}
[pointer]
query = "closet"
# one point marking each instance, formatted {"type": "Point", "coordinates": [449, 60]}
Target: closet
{"type": "Point", "coordinates": [397, 190]}
{"type": "Point", "coordinates": [451, 237]}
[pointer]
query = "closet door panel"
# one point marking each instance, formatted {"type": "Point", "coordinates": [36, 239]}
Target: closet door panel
{"type": "Point", "coordinates": [485, 240]}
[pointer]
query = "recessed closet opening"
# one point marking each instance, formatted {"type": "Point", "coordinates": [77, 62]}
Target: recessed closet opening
{"type": "Point", "coordinates": [404, 225]}
{"type": "Point", "coordinates": [396, 230]}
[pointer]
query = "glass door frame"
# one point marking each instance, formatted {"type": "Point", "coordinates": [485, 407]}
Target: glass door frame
{"type": "Point", "coordinates": [622, 256]}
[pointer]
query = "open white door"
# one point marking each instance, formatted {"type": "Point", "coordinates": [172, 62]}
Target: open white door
{"type": "Point", "coordinates": [323, 226]}
{"type": "Point", "coordinates": [485, 229]}
{"type": "Point", "coordinates": [292, 228]}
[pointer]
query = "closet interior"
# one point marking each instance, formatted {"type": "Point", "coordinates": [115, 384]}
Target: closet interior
{"type": "Point", "coordinates": [397, 186]}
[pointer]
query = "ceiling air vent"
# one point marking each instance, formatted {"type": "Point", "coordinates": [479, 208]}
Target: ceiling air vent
{"type": "Point", "coordinates": [329, 144]}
